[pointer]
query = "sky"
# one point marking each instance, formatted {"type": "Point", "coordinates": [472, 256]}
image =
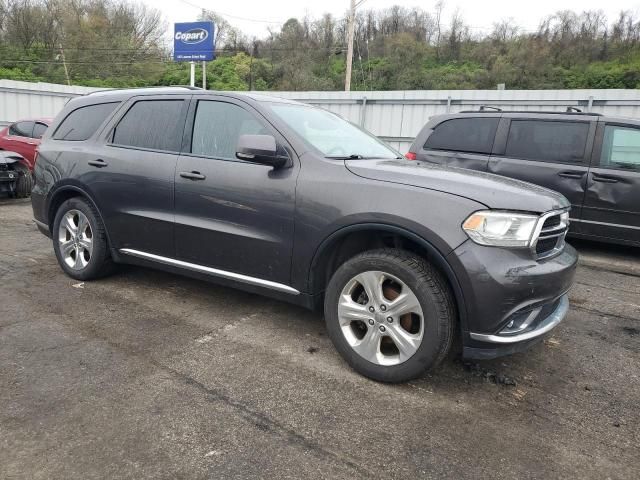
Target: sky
{"type": "Point", "coordinates": [254, 17]}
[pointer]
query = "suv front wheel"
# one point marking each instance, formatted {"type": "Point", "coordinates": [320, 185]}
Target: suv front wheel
{"type": "Point", "coordinates": [390, 314]}
{"type": "Point", "coordinates": [80, 240]}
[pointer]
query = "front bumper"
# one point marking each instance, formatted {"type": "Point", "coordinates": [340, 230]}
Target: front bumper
{"type": "Point", "coordinates": [511, 299]}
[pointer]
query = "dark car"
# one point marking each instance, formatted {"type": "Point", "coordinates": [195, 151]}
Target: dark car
{"type": "Point", "coordinates": [288, 200]}
{"type": "Point", "coordinates": [592, 160]}
{"type": "Point", "coordinates": [23, 137]}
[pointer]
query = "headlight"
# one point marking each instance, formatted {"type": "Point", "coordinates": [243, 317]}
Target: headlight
{"type": "Point", "coordinates": [501, 229]}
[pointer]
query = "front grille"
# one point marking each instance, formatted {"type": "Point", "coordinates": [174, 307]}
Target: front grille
{"type": "Point", "coordinates": [551, 237]}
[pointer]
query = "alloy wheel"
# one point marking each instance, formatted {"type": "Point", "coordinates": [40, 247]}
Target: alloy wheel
{"type": "Point", "coordinates": [381, 318]}
{"type": "Point", "coordinates": [75, 239]}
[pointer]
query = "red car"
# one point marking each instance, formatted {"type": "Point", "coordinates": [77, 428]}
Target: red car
{"type": "Point", "coordinates": [23, 137]}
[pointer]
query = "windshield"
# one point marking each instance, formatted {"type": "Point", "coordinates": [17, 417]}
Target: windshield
{"type": "Point", "coordinates": [332, 135]}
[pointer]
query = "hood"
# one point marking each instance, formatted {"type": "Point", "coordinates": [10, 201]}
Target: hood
{"type": "Point", "coordinates": [494, 191]}
{"type": "Point", "coordinates": [10, 157]}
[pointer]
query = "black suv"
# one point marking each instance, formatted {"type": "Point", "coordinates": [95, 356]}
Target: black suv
{"type": "Point", "coordinates": [591, 159]}
{"type": "Point", "coordinates": [292, 201]}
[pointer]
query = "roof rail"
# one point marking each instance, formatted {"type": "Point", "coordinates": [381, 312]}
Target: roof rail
{"type": "Point", "coordinates": [489, 107]}
{"type": "Point", "coordinates": [569, 111]}
{"type": "Point", "coordinates": [188, 87]}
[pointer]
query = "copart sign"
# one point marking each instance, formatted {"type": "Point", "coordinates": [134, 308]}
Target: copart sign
{"type": "Point", "coordinates": [193, 41]}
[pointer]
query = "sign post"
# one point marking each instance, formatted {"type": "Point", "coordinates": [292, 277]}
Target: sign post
{"type": "Point", "coordinates": [193, 42]}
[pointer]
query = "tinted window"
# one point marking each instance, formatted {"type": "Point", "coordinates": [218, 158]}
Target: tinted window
{"type": "Point", "coordinates": [621, 148]}
{"type": "Point", "coordinates": [83, 122]}
{"type": "Point", "coordinates": [21, 129]}
{"type": "Point", "coordinates": [39, 130]}
{"type": "Point", "coordinates": [153, 124]}
{"type": "Point", "coordinates": [474, 135]}
{"type": "Point", "coordinates": [547, 141]}
{"type": "Point", "coordinates": [217, 127]}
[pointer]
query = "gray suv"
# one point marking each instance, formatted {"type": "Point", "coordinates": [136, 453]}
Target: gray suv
{"type": "Point", "coordinates": [591, 159]}
{"type": "Point", "coordinates": [288, 200]}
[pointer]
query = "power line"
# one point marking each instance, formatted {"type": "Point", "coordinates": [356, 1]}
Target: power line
{"type": "Point", "coordinates": [236, 17]}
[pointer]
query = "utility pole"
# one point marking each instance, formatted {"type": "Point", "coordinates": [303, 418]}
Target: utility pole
{"type": "Point", "coordinates": [352, 21]}
{"type": "Point", "coordinates": [64, 63]}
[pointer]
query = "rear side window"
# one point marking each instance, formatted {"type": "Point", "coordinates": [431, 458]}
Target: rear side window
{"type": "Point", "coordinates": [151, 124]}
{"type": "Point", "coordinates": [83, 122]}
{"type": "Point", "coordinates": [21, 129]}
{"type": "Point", "coordinates": [473, 135]}
{"type": "Point", "coordinates": [547, 141]}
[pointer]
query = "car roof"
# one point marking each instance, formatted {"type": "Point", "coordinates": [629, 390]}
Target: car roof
{"type": "Point", "coordinates": [120, 94]}
{"type": "Point", "coordinates": [46, 120]}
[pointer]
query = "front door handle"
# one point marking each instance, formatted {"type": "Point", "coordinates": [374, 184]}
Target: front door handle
{"type": "Point", "coordinates": [599, 178]}
{"type": "Point", "coordinates": [192, 175]}
{"type": "Point", "coordinates": [98, 163]}
{"type": "Point", "coordinates": [577, 175]}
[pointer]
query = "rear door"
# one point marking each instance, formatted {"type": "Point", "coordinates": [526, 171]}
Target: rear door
{"type": "Point", "coordinates": [464, 142]}
{"type": "Point", "coordinates": [612, 200]}
{"type": "Point", "coordinates": [553, 153]}
{"type": "Point", "coordinates": [132, 172]}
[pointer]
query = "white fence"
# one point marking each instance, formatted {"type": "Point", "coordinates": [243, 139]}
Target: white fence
{"type": "Point", "coordinates": [395, 116]}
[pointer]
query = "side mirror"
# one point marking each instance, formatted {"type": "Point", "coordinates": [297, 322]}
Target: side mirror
{"type": "Point", "coordinates": [260, 149]}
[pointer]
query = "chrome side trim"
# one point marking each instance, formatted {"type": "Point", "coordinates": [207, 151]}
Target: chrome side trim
{"type": "Point", "coordinates": [41, 224]}
{"type": "Point", "coordinates": [211, 271]}
{"type": "Point", "coordinates": [606, 224]}
{"type": "Point", "coordinates": [547, 324]}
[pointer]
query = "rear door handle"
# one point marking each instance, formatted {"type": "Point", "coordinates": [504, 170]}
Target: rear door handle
{"type": "Point", "coordinates": [192, 175]}
{"type": "Point", "coordinates": [98, 163]}
{"type": "Point", "coordinates": [571, 174]}
{"type": "Point", "coordinates": [598, 178]}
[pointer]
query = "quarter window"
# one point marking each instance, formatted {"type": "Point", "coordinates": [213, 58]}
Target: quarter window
{"type": "Point", "coordinates": [217, 127]}
{"type": "Point", "coordinates": [621, 148]}
{"type": "Point", "coordinates": [83, 122]}
{"type": "Point", "coordinates": [151, 124]}
{"type": "Point", "coordinates": [472, 135]}
{"type": "Point", "coordinates": [21, 129]}
{"type": "Point", "coordinates": [547, 141]}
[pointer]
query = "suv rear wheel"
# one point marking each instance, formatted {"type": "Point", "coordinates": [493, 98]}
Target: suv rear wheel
{"type": "Point", "coordinates": [80, 241]}
{"type": "Point", "coordinates": [390, 314]}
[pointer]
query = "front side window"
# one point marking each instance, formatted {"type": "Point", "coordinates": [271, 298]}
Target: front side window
{"type": "Point", "coordinates": [21, 129]}
{"type": "Point", "coordinates": [39, 129]}
{"type": "Point", "coordinates": [217, 127]}
{"type": "Point", "coordinates": [547, 141]}
{"type": "Point", "coordinates": [470, 135]}
{"type": "Point", "coordinates": [621, 148]}
{"type": "Point", "coordinates": [330, 134]}
{"type": "Point", "coordinates": [151, 124]}
{"type": "Point", "coordinates": [83, 122]}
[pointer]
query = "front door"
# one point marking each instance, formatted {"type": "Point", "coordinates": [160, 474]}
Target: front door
{"type": "Point", "coordinates": [612, 201]}
{"type": "Point", "coordinates": [230, 214]}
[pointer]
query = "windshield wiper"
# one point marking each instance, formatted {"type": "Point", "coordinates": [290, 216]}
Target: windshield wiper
{"type": "Point", "coordinates": [345, 157]}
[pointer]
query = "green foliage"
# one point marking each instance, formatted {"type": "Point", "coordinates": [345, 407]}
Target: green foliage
{"type": "Point", "coordinates": [116, 43]}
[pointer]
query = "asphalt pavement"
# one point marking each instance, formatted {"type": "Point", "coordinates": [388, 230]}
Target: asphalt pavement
{"type": "Point", "coordinates": [150, 375]}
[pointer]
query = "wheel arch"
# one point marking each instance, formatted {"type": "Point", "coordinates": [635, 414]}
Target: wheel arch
{"type": "Point", "coordinates": [348, 241]}
{"type": "Point", "coordinates": [65, 192]}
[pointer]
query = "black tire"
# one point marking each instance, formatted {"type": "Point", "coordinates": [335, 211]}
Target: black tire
{"type": "Point", "coordinates": [435, 299]}
{"type": "Point", "coordinates": [100, 263]}
{"type": "Point", "coordinates": [24, 183]}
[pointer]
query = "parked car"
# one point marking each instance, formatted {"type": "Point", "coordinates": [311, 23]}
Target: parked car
{"type": "Point", "coordinates": [592, 160]}
{"type": "Point", "coordinates": [15, 178]}
{"type": "Point", "coordinates": [288, 200]}
{"type": "Point", "coordinates": [23, 137]}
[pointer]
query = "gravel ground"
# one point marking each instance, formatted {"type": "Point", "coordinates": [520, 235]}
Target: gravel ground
{"type": "Point", "coordinates": [149, 375]}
